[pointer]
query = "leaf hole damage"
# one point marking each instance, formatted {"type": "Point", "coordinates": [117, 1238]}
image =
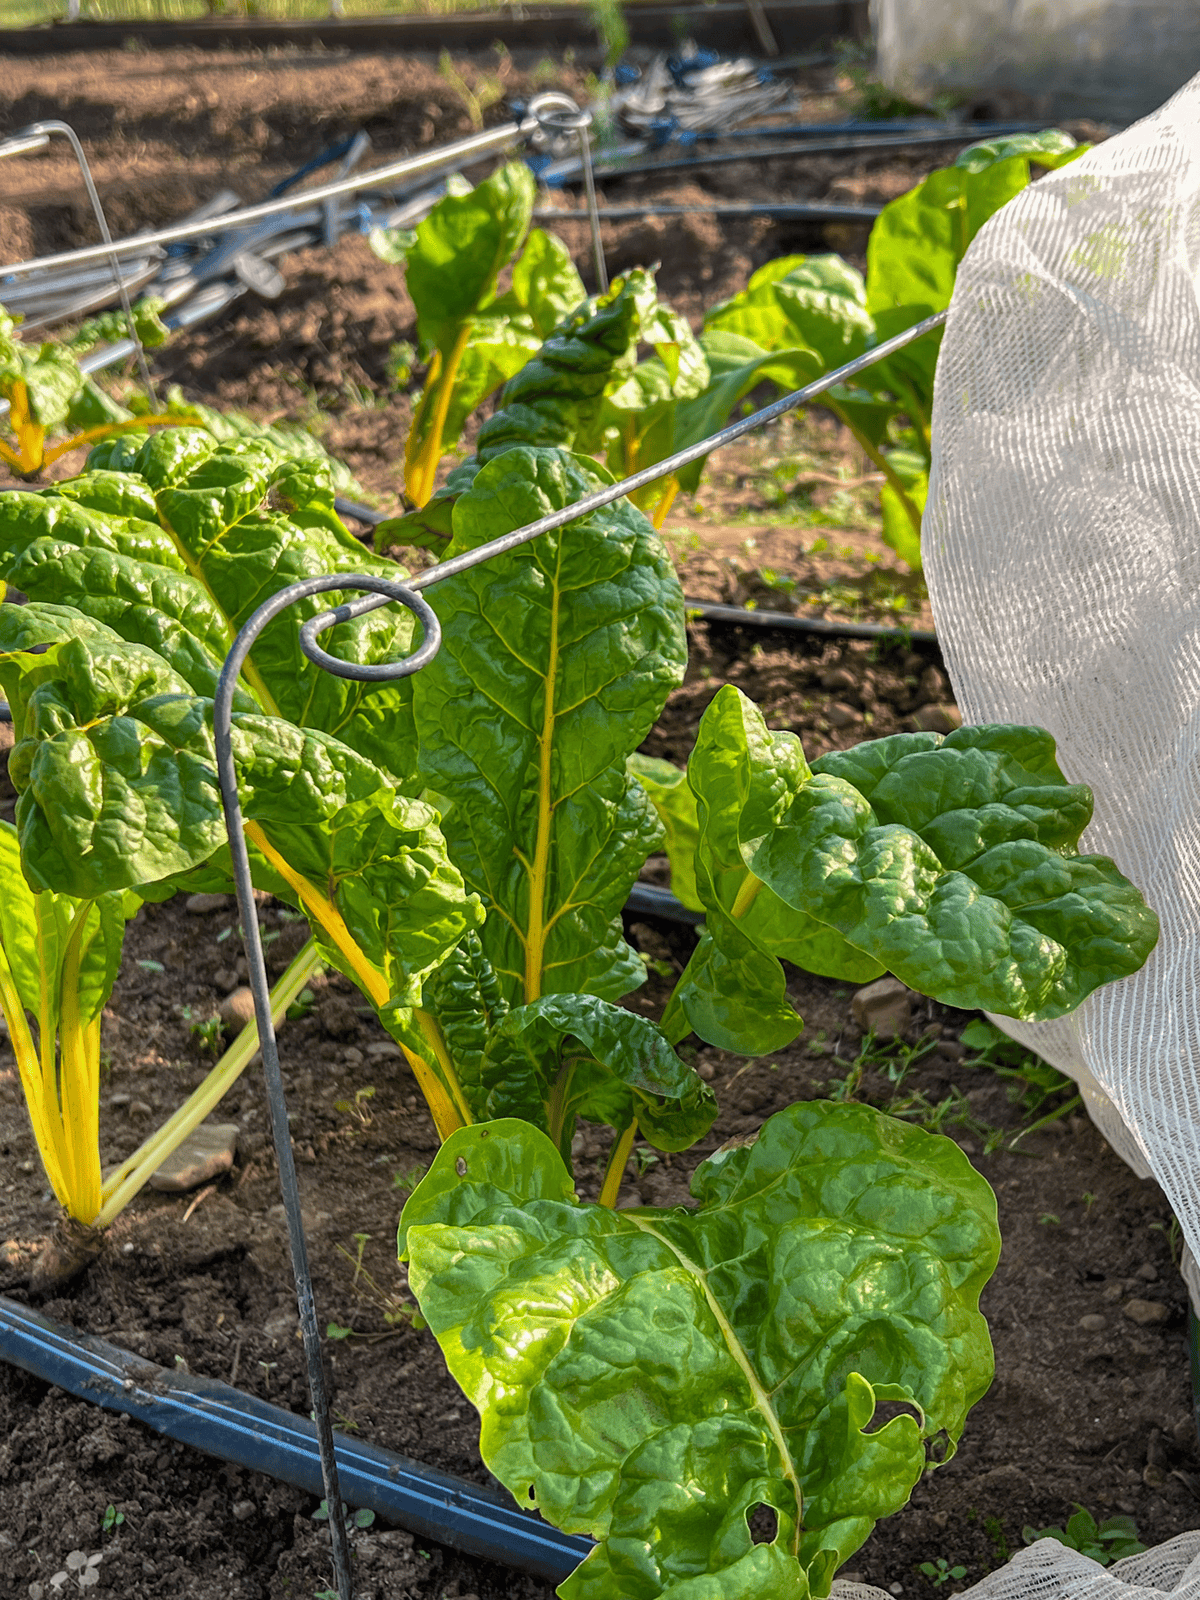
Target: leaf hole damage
{"type": "Point", "coordinates": [460, 1166]}
{"type": "Point", "coordinates": [887, 1411]}
{"type": "Point", "coordinates": [763, 1523]}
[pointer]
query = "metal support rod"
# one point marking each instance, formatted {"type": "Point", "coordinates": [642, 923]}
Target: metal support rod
{"type": "Point", "coordinates": [459, 153]}
{"type": "Point", "coordinates": [40, 130]}
{"type": "Point", "coordinates": [660, 469]}
{"type": "Point", "coordinates": [387, 593]}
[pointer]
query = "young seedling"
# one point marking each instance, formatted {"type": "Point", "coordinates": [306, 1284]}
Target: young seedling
{"type": "Point", "coordinates": [940, 1571]}
{"type": "Point", "coordinates": [1105, 1542]}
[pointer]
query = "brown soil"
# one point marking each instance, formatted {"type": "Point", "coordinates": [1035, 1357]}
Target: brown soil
{"type": "Point", "coordinates": [1097, 1414]}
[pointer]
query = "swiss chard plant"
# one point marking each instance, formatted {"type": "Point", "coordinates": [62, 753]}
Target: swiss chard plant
{"type": "Point", "coordinates": [59, 957]}
{"type": "Point", "coordinates": [473, 337]}
{"type": "Point", "coordinates": [823, 305]}
{"type": "Point", "coordinates": [462, 843]}
{"type": "Point", "coordinates": [48, 395]}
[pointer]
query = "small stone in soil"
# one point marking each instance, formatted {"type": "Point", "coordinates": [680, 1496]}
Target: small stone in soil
{"type": "Point", "coordinates": [205, 1154]}
{"type": "Point", "coordinates": [1145, 1312]}
{"type": "Point", "coordinates": [883, 1007]}
{"type": "Point", "coordinates": [383, 1048]}
{"type": "Point", "coordinates": [1093, 1323]}
{"type": "Point", "coordinates": [1147, 1271]}
{"type": "Point", "coordinates": [236, 1010]}
{"type": "Point", "coordinates": [243, 1510]}
{"type": "Point", "coordinates": [353, 1056]}
{"type": "Point", "coordinates": [937, 719]}
{"type": "Point", "coordinates": [841, 715]}
{"type": "Point", "coordinates": [203, 905]}
{"type": "Point", "coordinates": [139, 1108]}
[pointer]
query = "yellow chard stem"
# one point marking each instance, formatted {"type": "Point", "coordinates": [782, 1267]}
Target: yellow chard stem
{"type": "Point", "coordinates": [369, 978]}
{"type": "Point", "coordinates": [617, 1162]}
{"type": "Point", "coordinates": [665, 504]}
{"type": "Point", "coordinates": [132, 1175]}
{"type": "Point", "coordinates": [46, 1124]}
{"type": "Point", "coordinates": [420, 489]}
{"type": "Point", "coordinates": [535, 939]}
{"type": "Point", "coordinates": [746, 895]}
{"type": "Point", "coordinates": [79, 1087]}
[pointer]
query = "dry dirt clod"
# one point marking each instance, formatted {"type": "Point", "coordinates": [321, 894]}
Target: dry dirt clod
{"type": "Point", "coordinates": [937, 719]}
{"type": "Point", "coordinates": [236, 1010]}
{"type": "Point", "coordinates": [203, 905]}
{"type": "Point", "coordinates": [883, 1008]}
{"type": "Point", "coordinates": [1145, 1312]}
{"type": "Point", "coordinates": [1093, 1323]}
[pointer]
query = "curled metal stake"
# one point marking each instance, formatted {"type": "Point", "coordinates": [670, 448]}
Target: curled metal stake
{"type": "Point", "coordinates": [557, 113]}
{"type": "Point", "coordinates": [383, 592]}
{"type": "Point", "coordinates": [35, 131]}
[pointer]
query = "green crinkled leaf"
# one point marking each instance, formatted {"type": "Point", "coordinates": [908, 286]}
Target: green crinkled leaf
{"type": "Point", "coordinates": [461, 246]}
{"type": "Point", "coordinates": [117, 773]}
{"type": "Point", "coordinates": [556, 662]}
{"type": "Point", "coordinates": [379, 856]}
{"type": "Point", "coordinates": [953, 862]}
{"type": "Point", "coordinates": [572, 1055]}
{"type": "Point", "coordinates": [673, 800]}
{"type": "Point", "coordinates": [744, 777]}
{"type": "Point", "coordinates": [818, 302]}
{"type": "Point", "coordinates": [232, 524]}
{"type": "Point", "coordinates": [648, 1378]}
{"type": "Point", "coordinates": [918, 240]}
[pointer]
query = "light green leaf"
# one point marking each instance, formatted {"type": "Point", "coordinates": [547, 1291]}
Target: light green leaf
{"type": "Point", "coordinates": [557, 660]}
{"type": "Point", "coordinates": [673, 800]}
{"type": "Point", "coordinates": [953, 862]}
{"type": "Point", "coordinates": [233, 523]}
{"type": "Point", "coordinates": [813, 302]}
{"type": "Point", "coordinates": [648, 1378]}
{"type": "Point", "coordinates": [745, 778]}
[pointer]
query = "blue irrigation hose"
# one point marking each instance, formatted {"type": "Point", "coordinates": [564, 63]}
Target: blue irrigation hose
{"type": "Point", "coordinates": [233, 1426]}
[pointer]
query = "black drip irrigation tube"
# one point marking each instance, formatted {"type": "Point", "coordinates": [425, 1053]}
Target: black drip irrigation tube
{"type": "Point", "coordinates": [240, 1428]}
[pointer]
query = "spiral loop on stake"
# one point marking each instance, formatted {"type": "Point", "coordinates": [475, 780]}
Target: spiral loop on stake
{"type": "Point", "coordinates": [378, 591]}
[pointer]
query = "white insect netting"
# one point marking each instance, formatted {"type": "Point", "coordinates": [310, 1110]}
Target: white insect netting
{"type": "Point", "coordinates": [1047, 1570]}
{"type": "Point", "coordinates": [1062, 550]}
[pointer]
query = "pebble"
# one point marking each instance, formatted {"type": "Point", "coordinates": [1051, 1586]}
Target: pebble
{"type": "Point", "coordinates": [883, 1007]}
{"type": "Point", "coordinates": [383, 1048]}
{"type": "Point", "coordinates": [937, 719]}
{"type": "Point", "coordinates": [1148, 1272]}
{"type": "Point", "coordinates": [1093, 1323]}
{"type": "Point", "coordinates": [243, 1510]}
{"type": "Point", "coordinates": [1155, 1477]}
{"type": "Point", "coordinates": [841, 715]}
{"type": "Point", "coordinates": [706, 1070]}
{"type": "Point", "coordinates": [236, 1010]}
{"type": "Point", "coordinates": [1145, 1312]}
{"type": "Point", "coordinates": [203, 905]}
{"type": "Point", "coordinates": [139, 1108]}
{"type": "Point", "coordinates": [838, 678]}
{"type": "Point", "coordinates": [353, 1056]}
{"type": "Point", "coordinates": [205, 1154]}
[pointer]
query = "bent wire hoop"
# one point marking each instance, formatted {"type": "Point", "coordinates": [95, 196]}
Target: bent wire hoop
{"type": "Point", "coordinates": [389, 592]}
{"type": "Point", "coordinates": [375, 592]}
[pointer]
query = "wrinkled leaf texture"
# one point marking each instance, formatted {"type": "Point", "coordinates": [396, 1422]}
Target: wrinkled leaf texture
{"type": "Point", "coordinates": [557, 660]}
{"type": "Point", "coordinates": [650, 1378]}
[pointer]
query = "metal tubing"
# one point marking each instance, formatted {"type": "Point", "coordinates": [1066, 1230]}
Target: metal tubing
{"type": "Point", "coordinates": [223, 1422]}
{"type": "Point", "coordinates": [458, 153]}
{"type": "Point", "coordinates": [782, 212]}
